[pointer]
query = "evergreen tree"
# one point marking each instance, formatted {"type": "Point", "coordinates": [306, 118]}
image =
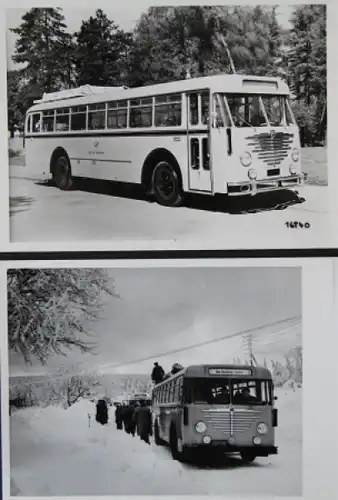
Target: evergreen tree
{"type": "Point", "coordinates": [307, 66]}
{"type": "Point", "coordinates": [15, 114]}
{"type": "Point", "coordinates": [170, 42]}
{"type": "Point", "coordinates": [101, 52]}
{"type": "Point", "coordinates": [43, 47]}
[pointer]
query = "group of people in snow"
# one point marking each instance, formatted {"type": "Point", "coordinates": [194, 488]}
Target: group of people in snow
{"type": "Point", "coordinates": [135, 417]}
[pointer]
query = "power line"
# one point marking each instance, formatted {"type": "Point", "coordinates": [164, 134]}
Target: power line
{"type": "Point", "coordinates": [207, 342]}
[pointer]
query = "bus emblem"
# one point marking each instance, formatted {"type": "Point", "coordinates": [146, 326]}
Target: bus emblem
{"type": "Point", "coordinates": [273, 134]}
{"type": "Point", "coordinates": [96, 143]}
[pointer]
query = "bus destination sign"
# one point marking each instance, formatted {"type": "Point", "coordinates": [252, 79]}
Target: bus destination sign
{"type": "Point", "coordinates": [230, 371]}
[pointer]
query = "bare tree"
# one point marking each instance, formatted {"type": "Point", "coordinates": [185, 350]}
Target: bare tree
{"type": "Point", "coordinates": [50, 310]}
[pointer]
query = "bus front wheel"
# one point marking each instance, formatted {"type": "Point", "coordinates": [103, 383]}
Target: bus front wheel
{"type": "Point", "coordinates": [178, 451]}
{"type": "Point", "coordinates": [248, 457]}
{"type": "Point", "coordinates": [166, 185]}
{"type": "Point", "coordinates": [62, 174]}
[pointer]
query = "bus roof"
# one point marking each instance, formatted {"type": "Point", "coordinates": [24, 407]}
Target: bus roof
{"type": "Point", "coordinates": [221, 371]}
{"type": "Point", "coordinates": [216, 83]}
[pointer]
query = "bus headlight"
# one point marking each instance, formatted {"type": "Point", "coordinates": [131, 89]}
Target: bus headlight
{"type": "Point", "coordinates": [293, 170]}
{"type": "Point", "coordinates": [252, 174]}
{"type": "Point", "coordinates": [295, 155]}
{"type": "Point", "coordinates": [245, 159]}
{"type": "Point", "coordinates": [256, 440]}
{"type": "Point", "coordinates": [262, 428]}
{"type": "Point", "coordinates": [200, 427]}
{"type": "Point", "coordinates": [206, 439]}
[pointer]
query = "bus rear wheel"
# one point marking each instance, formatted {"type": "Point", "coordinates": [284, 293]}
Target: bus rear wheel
{"type": "Point", "coordinates": [158, 440]}
{"type": "Point", "coordinates": [166, 185]}
{"type": "Point", "coordinates": [248, 457]}
{"type": "Point", "coordinates": [61, 173]}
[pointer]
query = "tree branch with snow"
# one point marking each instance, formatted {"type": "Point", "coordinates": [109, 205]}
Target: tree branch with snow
{"type": "Point", "coordinates": [50, 310]}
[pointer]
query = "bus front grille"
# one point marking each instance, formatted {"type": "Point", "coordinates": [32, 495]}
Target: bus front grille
{"type": "Point", "coordinates": [218, 420]}
{"type": "Point", "coordinates": [243, 419]}
{"type": "Point", "coordinates": [271, 148]}
{"type": "Point", "coordinates": [231, 422]}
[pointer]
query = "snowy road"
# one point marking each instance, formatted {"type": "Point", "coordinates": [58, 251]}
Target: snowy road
{"type": "Point", "coordinates": [54, 452]}
{"type": "Point", "coordinates": [103, 212]}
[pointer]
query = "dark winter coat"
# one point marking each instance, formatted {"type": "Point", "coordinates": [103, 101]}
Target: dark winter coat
{"type": "Point", "coordinates": [143, 421]}
{"type": "Point", "coordinates": [157, 374]}
{"type": "Point", "coordinates": [101, 412]}
{"type": "Point", "coordinates": [128, 422]}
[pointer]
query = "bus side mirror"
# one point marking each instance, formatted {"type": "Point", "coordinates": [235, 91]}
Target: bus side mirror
{"type": "Point", "coordinates": [274, 417]}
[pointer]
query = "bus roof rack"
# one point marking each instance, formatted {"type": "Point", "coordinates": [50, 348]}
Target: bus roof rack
{"type": "Point", "coordinates": [83, 91]}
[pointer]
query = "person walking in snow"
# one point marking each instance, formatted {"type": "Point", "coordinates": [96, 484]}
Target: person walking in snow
{"type": "Point", "coordinates": [101, 412]}
{"type": "Point", "coordinates": [128, 422]}
{"type": "Point", "coordinates": [157, 374]}
{"type": "Point", "coordinates": [118, 417]}
{"type": "Point", "coordinates": [143, 421]}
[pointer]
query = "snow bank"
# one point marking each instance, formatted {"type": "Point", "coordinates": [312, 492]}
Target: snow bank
{"type": "Point", "coordinates": [55, 452]}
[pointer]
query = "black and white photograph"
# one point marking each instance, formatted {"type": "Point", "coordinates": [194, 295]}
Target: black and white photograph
{"type": "Point", "coordinates": [143, 126]}
{"type": "Point", "coordinates": [155, 381]}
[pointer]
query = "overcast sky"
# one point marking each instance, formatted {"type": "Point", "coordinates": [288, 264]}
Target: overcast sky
{"type": "Point", "coordinates": [169, 308]}
{"type": "Point", "coordinates": [125, 16]}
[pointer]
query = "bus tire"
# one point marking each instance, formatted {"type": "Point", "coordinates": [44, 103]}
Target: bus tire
{"type": "Point", "coordinates": [157, 438]}
{"type": "Point", "coordinates": [247, 457]}
{"type": "Point", "coordinates": [62, 172]}
{"type": "Point", "coordinates": [167, 185]}
{"type": "Point", "coordinates": [182, 454]}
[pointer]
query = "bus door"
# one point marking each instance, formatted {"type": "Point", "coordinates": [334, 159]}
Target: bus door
{"type": "Point", "coordinates": [199, 165]}
{"type": "Point", "coordinates": [220, 139]}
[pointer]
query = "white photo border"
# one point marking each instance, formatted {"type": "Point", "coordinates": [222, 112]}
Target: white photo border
{"type": "Point", "coordinates": [278, 236]}
{"type": "Point", "coordinates": [319, 390]}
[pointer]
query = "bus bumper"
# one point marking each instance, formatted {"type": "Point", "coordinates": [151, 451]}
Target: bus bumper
{"type": "Point", "coordinates": [221, 446]}
{"type": "Point", "coordinates": [252, 188]}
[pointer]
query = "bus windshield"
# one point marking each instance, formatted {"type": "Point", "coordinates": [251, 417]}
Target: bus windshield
{"type": "Point", "coordinates": [228, 391]}
{"type": "Point", "coordinates": [259, 110]}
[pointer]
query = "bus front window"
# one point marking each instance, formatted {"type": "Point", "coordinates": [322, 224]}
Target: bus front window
{"type": "Point", "coordinates": [224, 391]}
{"type": "Point", "coordinates": [246, 110]}
{"type": "Point", "coordinates": [259, 110]}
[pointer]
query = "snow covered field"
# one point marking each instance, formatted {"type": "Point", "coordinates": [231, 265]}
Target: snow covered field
{"type": "Point", "coordinates": [54, 452]}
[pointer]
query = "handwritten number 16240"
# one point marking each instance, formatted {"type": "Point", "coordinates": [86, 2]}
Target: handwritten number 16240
{"type": "Point", "coordinates": [298, 225]}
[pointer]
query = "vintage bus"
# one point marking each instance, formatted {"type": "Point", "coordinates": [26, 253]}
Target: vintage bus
{"type": "Point", "coordinates": [222, 134]}
{"type": "Point", "coordinates": [223, 408]}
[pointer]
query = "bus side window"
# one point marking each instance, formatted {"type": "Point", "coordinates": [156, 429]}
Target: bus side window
{"type": "Point", "coordinates": [180, 385]}
{"type": "Point", "coordinates": [171, 392]}
{"type": "Point", "coordinates": [195, 153]}
{"type": "Point", "coordinates": [97, 116]}
{"type": "Point", "coordinates": [48, 121]}
{"type": "Point", "coordinates": [193, 112]}
{"type": "Point", "coordinates": [62, 119]}
{"type": "Point", "coordinates": [36, 119]}
{"type": "Point", "coordinates": [176, 390]}
{"type": "Point", "coordinates": [141, 112]}
{"type": "Point", "coordinates": [168, 110]}
{"type": "Point", "coordinates": [205, 108]}
{"type": "Point", "coordinates": [78, 118]}
{"type": "Point", "coordinates": [205, 154]}
{"type": "Point", "coordinates": [117, 114]}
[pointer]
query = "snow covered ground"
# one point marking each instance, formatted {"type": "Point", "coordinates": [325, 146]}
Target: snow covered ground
{"type": "Point", "coordinates": [55, 452]}
{"type": "Point", "coordinates": [43, 214]}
